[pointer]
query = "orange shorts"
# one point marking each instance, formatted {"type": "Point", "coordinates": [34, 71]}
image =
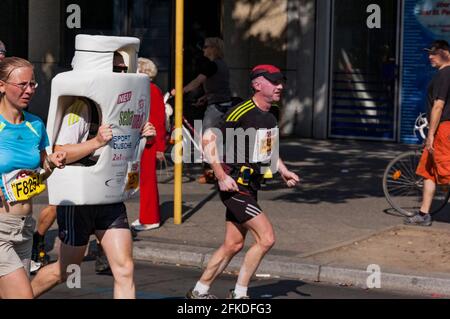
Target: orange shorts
{"type": "Point", "coordinates": [436, 167]}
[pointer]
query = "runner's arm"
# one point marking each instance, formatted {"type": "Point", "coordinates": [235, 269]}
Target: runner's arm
{"type": "Point", "coordinates": [210, 152]}
{"type": "Point", "coordinates": [226, 182]}
{"type": "Point", "coordinates": [75, 152]}
{"type": "Point", "coordinates": [50, 162]}
{"type": "Point", "coordinates": [289, 177]}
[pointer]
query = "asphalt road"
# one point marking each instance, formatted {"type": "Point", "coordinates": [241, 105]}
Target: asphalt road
{"type": "Point", "coordinates": [156, 281]}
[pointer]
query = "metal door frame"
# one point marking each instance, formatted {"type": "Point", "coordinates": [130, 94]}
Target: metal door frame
{"type": "Point", "coordinates": [398, 86]}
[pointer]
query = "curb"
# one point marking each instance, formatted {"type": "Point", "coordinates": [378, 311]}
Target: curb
{"type": "Point", "coordinates": [350, 241]}
{"type": "Point", "coordinates": [274, 266]}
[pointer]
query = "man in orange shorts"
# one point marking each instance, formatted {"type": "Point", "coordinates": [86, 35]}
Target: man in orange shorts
{"type": "Point", "coordinates": [434, 166]}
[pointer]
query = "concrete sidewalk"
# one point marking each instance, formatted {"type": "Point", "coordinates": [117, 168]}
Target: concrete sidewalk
{"type": "Point", "coordinates": [330, 228]}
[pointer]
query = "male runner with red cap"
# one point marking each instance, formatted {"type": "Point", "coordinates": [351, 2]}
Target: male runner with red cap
{"type": "Point", "coordinates": [247, 161]}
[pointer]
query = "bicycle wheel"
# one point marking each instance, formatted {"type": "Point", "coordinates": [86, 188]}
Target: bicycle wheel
{"type": "Point", "coordinates": [403, 188]}
{"type": "Point", "coordinates": [166, 169]}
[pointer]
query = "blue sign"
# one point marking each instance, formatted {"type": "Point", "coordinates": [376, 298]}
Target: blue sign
{"type": "Point", "coordinates": [423, 22]}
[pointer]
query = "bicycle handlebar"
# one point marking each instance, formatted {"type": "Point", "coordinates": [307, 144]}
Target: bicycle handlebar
{"type": "Point", "coordinates": [167, 96]}
{"type": "Point", "coordinates": [420, 125]}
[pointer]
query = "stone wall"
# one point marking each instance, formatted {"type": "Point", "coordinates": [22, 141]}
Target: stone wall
{"type": "Point", "coordinates": [279, 32]}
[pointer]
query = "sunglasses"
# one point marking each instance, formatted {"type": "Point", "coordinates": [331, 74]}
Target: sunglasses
{"type": "Point", "coordinates": [3, 52]}
{"type": "Point", "coordinates": [23, 86]}
{"type": "Point", "coordinates": [120, 69]}
{"type": "Point", "coordinates": [276, 82]}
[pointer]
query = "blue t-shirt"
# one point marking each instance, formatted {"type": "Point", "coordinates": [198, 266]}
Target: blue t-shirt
{"type": "Point", "coordinates": [21, 144]}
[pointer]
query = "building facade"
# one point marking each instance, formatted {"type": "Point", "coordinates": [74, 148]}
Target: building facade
{"type": "Point", "coordinates": [355, 68]}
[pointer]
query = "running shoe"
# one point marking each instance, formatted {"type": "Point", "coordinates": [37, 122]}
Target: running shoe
{"type": "Point", "coordinates": [193, 294]}
{"type": "Point", "coordinates": [418, 220]}
{"type": "Point", "coordinates": [34, 266]}
{"type": "Point", "coordinates": [232, 295]}
{"type": "Point", "coordinates": [137, 226]}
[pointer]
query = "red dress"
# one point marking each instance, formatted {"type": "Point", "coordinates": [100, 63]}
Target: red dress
{"type": "Point", "coordinates": [149, 197]}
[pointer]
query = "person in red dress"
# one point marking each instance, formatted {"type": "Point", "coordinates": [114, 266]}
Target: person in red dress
{"type": "Point", "coordinates": [149, 212]}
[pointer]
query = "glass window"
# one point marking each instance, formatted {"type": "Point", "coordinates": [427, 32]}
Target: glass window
{"type": "Point", "coordinates": [364, 71]}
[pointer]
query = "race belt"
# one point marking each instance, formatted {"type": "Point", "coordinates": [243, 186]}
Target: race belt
{"type": "Point", "coordinates": [21, 185]}
{"type": "Point", "coordinates": [246, 174]}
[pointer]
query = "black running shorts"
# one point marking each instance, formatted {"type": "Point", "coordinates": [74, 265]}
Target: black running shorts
{"type": "Point", "coordinates": [77, 223]}
{"type": "Point", "coordinates": [241, 206]}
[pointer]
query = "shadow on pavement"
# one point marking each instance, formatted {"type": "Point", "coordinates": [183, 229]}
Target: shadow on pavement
{"type": "Point", "coordinates": [443, 215]}
{"type": "Point", "coordinates": [279, 289]}
{"type": "Point", "coordinates": [167, 211]}
{"type": "Point", "coordinates": [335, 172]}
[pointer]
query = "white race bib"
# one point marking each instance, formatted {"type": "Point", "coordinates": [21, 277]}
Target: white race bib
{"type": "Point", "coordinates": [266, 142]}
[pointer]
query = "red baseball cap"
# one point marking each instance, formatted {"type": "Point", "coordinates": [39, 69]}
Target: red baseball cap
{"type": "Point", "coordinates": [270, 72]}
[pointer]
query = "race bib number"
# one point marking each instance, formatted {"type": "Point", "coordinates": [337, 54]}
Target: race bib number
{"type": "Point", "coordinates": [133, 181]}
{"type": "Point", "coordinates": [132, 177]}
{"type": "Point", "coordinates": [21, 185]}
{"type": "Point", "coordinates": [266, 143]}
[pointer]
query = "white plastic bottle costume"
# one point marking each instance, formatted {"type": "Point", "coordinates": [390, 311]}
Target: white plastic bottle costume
{"type": "Point", "coordinates": [122, 100]}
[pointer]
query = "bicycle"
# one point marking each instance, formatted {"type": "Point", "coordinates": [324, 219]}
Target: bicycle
{"type": "Point", "coordinates": [191, 140]}
{"type": "Point", "coordinates": [402, 187]}
{"type": "Point", "coordinates": [191, 144]}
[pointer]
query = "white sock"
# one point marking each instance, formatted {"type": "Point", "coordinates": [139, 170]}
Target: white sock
{"type": "Point", "coordinates": [240, 291]}
{"type": "Point", "coordinates": [201, 288]}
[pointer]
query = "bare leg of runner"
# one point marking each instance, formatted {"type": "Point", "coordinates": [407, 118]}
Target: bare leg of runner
{"type": "Point", "coordinates": [46, 219]}
{"type": "Point", "coordinates": [15, 285]}
{"type": "Point", "coordinates": [56, 273]}
{"type": "Point", "coordinates": [262, 231]}
{"type": "Point", "coordinates": [234, 241]}
{"type": "Point", "coordinates": [118, 247]}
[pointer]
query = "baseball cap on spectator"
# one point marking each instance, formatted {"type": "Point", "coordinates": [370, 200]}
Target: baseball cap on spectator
{"type": "Point", "coordinates": [438, 44]}
{"type": "Point", "coordinates": [270, 72]}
